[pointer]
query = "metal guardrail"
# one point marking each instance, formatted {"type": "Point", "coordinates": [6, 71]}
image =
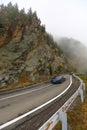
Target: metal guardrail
{"type": "Point", "coordinates": [34, 110]}
{"type": "Point", "coordinates": [61, 115]}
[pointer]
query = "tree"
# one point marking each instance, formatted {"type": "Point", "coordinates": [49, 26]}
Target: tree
{"type": "Point", "coordinates": [50, 40]}
{"type": "Point", "coordinates": [8, 13]}
{"type": "Point", "coordinates": [30, 15]}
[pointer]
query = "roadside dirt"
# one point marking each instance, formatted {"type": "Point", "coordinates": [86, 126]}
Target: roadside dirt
{"type": "Point", "coordinates": [77, 114]}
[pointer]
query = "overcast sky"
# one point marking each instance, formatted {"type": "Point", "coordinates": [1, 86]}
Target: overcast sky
{"type": "Point", "coordinates": [62, 18]}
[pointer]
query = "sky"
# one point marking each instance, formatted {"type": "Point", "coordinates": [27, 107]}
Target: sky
{"type": "Point", "coordinates": [62, 18]}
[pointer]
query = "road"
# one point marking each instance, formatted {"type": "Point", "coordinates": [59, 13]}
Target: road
{"type": "Point", "coordinates": [14, 104]}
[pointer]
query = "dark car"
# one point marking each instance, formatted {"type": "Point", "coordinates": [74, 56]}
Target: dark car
{"type": "Point", "coordinates": [57, 79]}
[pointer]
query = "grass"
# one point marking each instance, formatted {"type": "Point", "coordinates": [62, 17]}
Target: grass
{"type": "Point", "coordinates": [77, 115]}
{"type": "Point", "coordinates": [58, 126]}
{"type": "Point", "coordinates": [24, 80]}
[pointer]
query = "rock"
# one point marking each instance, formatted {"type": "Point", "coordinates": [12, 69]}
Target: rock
{"type": "Point", "coordinates": [32, 77]}
{"type": "Point", "coordinates": [3, 85]}
{"type": "Point", "coordinates": [26, 48]}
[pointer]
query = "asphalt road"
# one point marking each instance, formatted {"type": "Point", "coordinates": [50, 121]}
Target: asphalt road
{"type": "Point", "coordinates": [14, 104]}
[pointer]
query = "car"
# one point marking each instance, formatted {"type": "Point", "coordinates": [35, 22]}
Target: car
{"type": "Point", "coordinates": [58, 79]}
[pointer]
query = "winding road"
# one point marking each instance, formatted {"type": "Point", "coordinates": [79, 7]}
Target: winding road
{"type": "Point", "coordinates": [17, 103]}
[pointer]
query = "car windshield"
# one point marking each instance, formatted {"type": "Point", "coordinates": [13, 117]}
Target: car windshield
{"type": "Point", "coordinates": [57, 78]}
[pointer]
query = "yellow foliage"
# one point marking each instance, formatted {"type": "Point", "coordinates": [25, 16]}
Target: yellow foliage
{"type": "Point", "coordinates": [61, 64]}
{"type": "Point", "coordinates": [23, 81]}
{"type": "Point", "coordinates": [77, 117]}
{"type": "Point", "coordinates": [58, 126]}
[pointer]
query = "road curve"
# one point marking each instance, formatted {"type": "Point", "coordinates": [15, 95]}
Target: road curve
{"type": "Point", "coordinates": [14, 104]}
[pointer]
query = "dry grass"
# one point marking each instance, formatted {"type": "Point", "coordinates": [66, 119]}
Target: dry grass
{"type": "Point", "coordinates": [24, 80]}
{"type": "Point", "coordinates": [58, 126]}
{"type": "Point", "coordinates": [77, 116]}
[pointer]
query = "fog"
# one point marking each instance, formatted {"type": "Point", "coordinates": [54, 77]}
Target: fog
{"type": "Point", "coordinates": [76, 52]}
{"type": "Point", "coordinates": [62, 18]}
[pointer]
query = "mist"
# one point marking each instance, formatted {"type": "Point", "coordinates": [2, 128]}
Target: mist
{"type": "Point", "coordinates": [62, 18]}
{"type": "Point", "coordinates": [76, 52]}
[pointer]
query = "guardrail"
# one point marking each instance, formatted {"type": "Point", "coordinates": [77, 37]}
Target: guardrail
{"type": "Point", "coordinates": [34, 110]}
{"type": "Point", "coordinates": [61, 114]}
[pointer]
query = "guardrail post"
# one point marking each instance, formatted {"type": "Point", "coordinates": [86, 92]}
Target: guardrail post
{"type": "Point", "coordinates": [63, 119]}
{"type": "Point", "coordinates": [84, 92]}
{"type": "Point", "coordinates": [81, 92]}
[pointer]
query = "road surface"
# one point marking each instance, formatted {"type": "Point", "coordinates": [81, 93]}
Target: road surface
{"type": "Point", "coordinates": [14, 104]}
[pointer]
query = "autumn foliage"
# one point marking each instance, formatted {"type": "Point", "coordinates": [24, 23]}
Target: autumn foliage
{"type": "Point", "coordinates": [77, 114]}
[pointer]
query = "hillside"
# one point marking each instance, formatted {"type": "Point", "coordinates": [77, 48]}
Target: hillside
{"type": "Point", "coordinates": [28, 54]}
{"type": "Point", "coordinates": [76, 52]}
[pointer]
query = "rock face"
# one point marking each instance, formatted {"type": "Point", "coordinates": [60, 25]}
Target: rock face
{"type": "Point", "coordinates": [26, 49]}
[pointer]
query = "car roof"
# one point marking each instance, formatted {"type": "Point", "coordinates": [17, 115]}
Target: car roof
{"type": "Point", "coordinates": [58, 77]}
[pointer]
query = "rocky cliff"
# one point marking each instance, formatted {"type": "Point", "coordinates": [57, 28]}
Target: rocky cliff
{"type": "Point", "coordinates": [28, 54]}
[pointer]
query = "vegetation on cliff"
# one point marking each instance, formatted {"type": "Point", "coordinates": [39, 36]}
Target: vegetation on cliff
{"type": "Point", "coordinates": [28, 54]}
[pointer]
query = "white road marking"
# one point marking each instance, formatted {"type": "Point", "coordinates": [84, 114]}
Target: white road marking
{"type": "Point", "coordinates": [34, 110]}
{"type": "Point", "coordinates": [16, 95]}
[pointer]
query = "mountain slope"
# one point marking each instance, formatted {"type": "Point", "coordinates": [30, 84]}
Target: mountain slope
{"type": "Point", "coordinates": [76, 52]}
{"type": "Point", "coordinates": [28, 53]}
